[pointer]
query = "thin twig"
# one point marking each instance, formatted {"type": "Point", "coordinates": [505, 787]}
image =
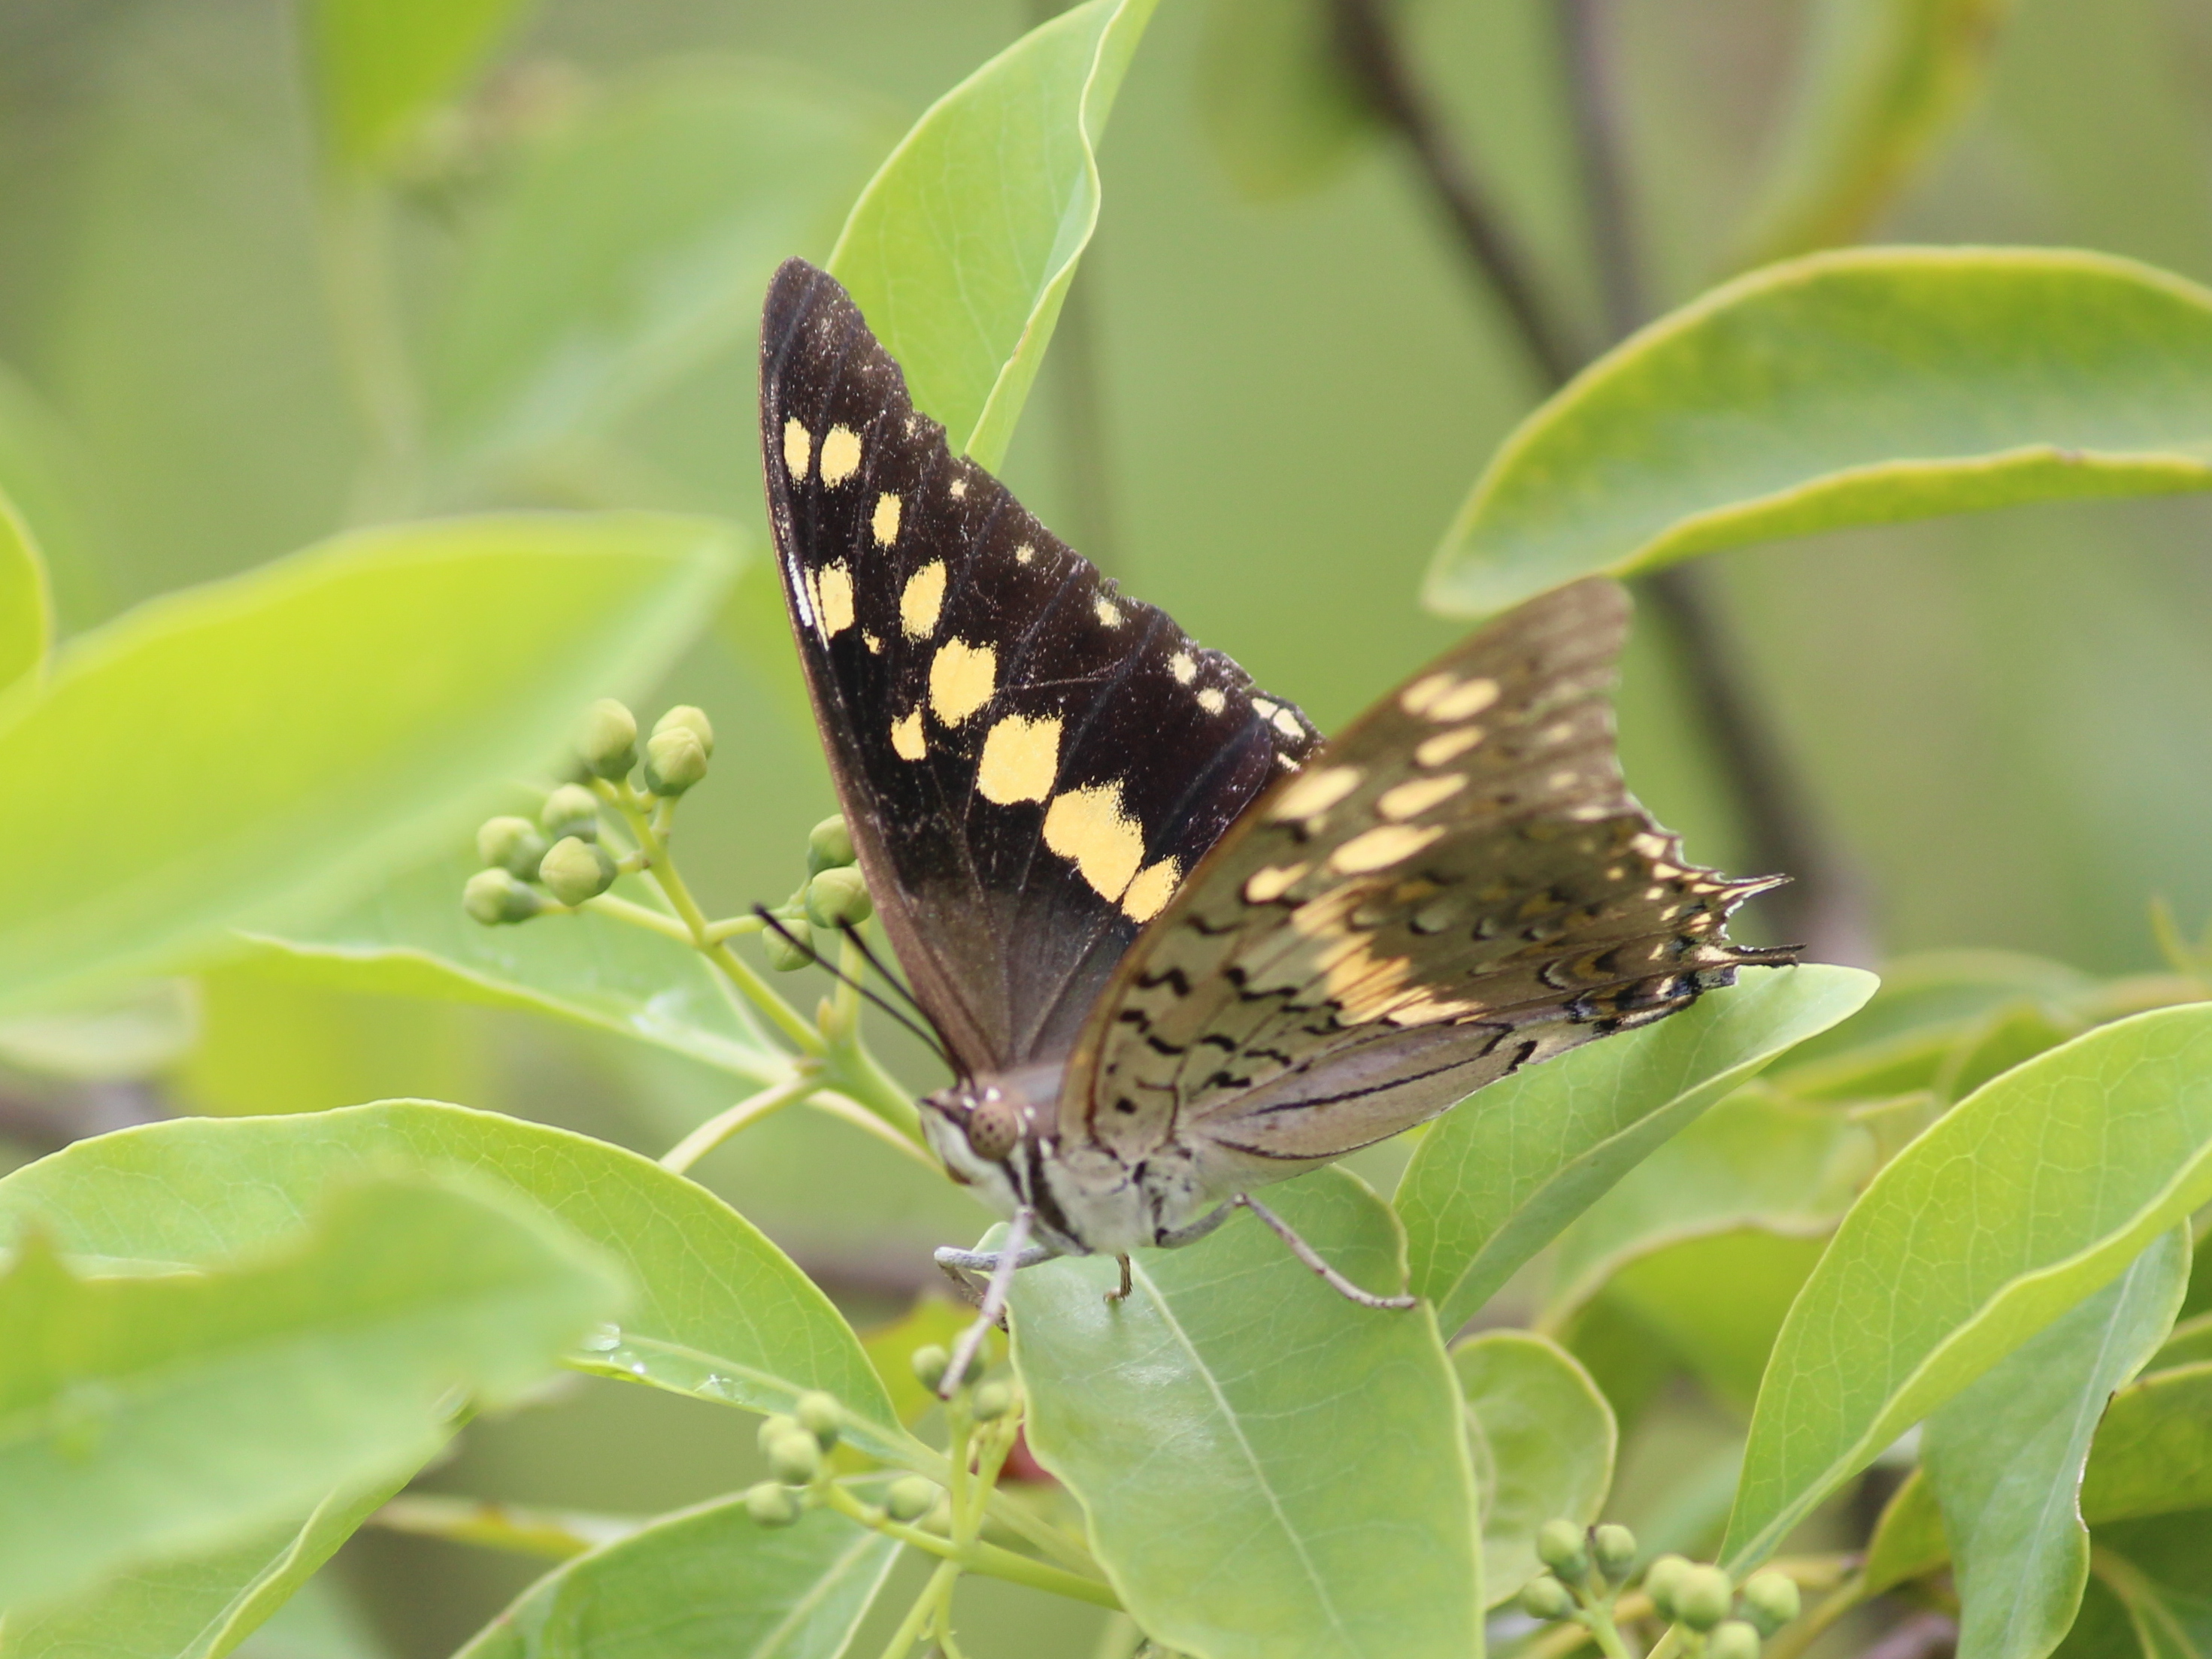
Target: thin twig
{"type": "Point", "coordinates": [1594, 105]}
{"type": "Point", "coordinates": [1923, 1635]}
{"type": "Point", "coordinates": [1373, 57]}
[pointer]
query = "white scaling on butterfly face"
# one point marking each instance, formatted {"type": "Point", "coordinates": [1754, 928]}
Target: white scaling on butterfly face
{"type": "Point", "coordinates": [841, 455]}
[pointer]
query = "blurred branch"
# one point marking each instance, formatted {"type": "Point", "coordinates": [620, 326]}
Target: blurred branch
{"type": "Point", "coordinates": [39, 1124]}
{"type": "Point", "coordinates": [1376, 60]}
{"type": "Point", "coordinates": [1594, 107]}
{"type": "Point", "coordinates": [1923, 1635]}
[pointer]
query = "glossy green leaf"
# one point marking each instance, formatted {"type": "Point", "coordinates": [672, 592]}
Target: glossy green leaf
{"type": "Point", "coordinates": [1908, 1540]}
{"type": "Point", "coordinates": [1754, 1160]}
{"type": "Point", "coordinates": [151, 1417]}
{"type": "Point", "coordinates": [43, 477]}
{"type": "Point", "coordinates": [26, 606]}
{"type": "Point", "coordinates": [199, 1608]}
{"type": "Point", "coordinates": [409, 937]}
{"type": "Point", "coordinates": [1882, 82]}
{"type": "Point", "coordinates": [1724, 1336]}
{"type": "Point", "coordinates": [257, 751]}
{"type": "Point", "coordinates": [2005, 1458]}
{"type": "Point", "coordinates": [2007, 1037]}
{"type": "Point", "coordinates": [1498, 1178]}
{"type": "Point", "coordinates": [132, 1031]}
{"type": "Point", "coordinates": [705, 1584]}
{"type": "Point", "coordinates": [1267, 1468]}
{"type": "Point", "coordinates": [1543, 1441]}
{"type": "Point", "coordinates": [380, 65]}
{"type": "Point", "coordinates": [720, 1313]}
{"type": "Point", "coordinates": [2155, 1570]}
{"type": "Point", "coordinates": [961, 250]}
{"type": "Point", "coordinates": [1274, 96]}
{"type": "Point", "coordinates": [2154, 1451]}
{"type": "Point", "coordinates": [2020, 1202]}
{"type": "Point", "coordinates": [637, 243]}
{"type": "Point", "coordinates": [1859, 387]}
{"type": "Point", "coordinates": [2190, 1343]}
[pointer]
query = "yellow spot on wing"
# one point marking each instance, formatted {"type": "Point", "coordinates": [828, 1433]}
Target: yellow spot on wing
{"type": "Point", "coordinates": [886, 521]}
{"type": "Point", "coordinates": [960, 489]}
{"type": "Point", "coordinates": [841, 455]}
{"type": "Point", "coordinates": [1287, 723]}
{"type": "Point", "coordinates": [798, 449]}
{"type": "Point", "coordinates": [1266, 887]}
{"type": "Point", "coordinates": [1148, 895]}
{"type": "Point", "coordinates": [1213, 700]}
{"type": "Point", "coordinates": [1025, 553]}
{"type": "Point", "coordinates": [835, 584]}
{"type": "Point", "coordinates": [1314, 792]}
{"type": "Point", "coordinates": [1416, 698]}
{"type": "Point", "coordinates": [921, 599]}
{"type": "Point", "coordinates": [962, 677]}
{"type": "Point", "coordinates": [1410, 800]}
{"type": "Point", "coordinates": [1446, 745]}
{"type": "Point", "coordinates": [1183, 667]}
{"type": "Point", "coordinates": [1469, 699]}
{"type": "Point", "coordinates": [1021, 757]}
{"type": "Point", "coordinates": [907, 738]}
{"type": "Point", "coordinates": [1089, 828]}
{"type": "Point", "coordinates": [1380, 848]}
{"type": "Point", "coordinates": [1108, 612]}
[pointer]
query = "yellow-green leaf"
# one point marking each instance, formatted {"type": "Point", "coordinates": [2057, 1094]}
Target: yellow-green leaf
{"type": "Point", "coordinates": [27, 609]}
{"type": "Point", "coordinates": [379, 65]}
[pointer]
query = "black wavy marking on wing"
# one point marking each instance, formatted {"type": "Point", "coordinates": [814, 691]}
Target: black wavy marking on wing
{"type": "Point", "coordinates": [1540, 907]}
{"type": "Point", "coordinates": [1005, 944]}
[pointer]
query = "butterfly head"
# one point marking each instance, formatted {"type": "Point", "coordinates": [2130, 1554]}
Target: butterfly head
{"type": "Point", "coordinates": [980, 1125]}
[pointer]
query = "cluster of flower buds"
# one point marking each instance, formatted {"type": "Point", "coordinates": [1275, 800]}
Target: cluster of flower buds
{"type": "Point", "coordinates": [795, 1446]}
{"type": "Point", "coordinates": [558, 860]}
{"type": "Point", "coordinates": [832, 897]}
{"type": "Point", "coordinates": [1590, 1566]}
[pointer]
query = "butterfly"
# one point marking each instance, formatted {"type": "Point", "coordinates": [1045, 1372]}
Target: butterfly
{"type": "Point", "coordinates": [1175, 945]}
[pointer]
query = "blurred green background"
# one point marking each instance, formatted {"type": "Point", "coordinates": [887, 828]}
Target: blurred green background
{"type": "Point", "coordinates": [2006, 720]}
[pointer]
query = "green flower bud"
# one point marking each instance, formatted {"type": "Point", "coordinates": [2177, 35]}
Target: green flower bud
{"type": "Point", "coordinates": [788, 951]}
{"type": "Point", "coordinates": [511, 844]}
{"type": "Point", "coordinates": [1564, 1548]}
{"type": "Point", "coordinates": [795, 1459]}
{"type": "Point", "coordinates": [1662, 1582]}
{"type": "Point", "coordinates": [773, 1429]}
{"type": "Point", "coordinates": [1770, 1600]}
{"type": "Point", "coordinates": [1701, 1600]}
{"type": "Point", "coordinates": [992, 1401]}
{"type": "Point", "coordinates": [1733, 1640]}
{"type": "Point", "coordinates": [828, 847]}
{"type": "Point", "coordinates": [838, 896]}
{"type": "Point", "coordinates": [684, 717]}
{"type": "Point", "coordinates": [1545, 1597]}
{"type": "Point", "coordinates": [607, 744]}
{"type": "Point", "coordinates": [929, 1365]}
{"type": "Point", "coordinates": [674, 759]}
{"type": "Point", "coordinates": [1614, 1549]}
{"type": "Point", "coordinates": [574, 869]}
{"type": "Point", "coordinates": [821, 1416]}
{"type": "Point", "coordinates": [771, 1506]}
{"type": "Point", "coordinates": [571, 810]}
{"type": "Point", "coordinates": [494, 897]}
{"type": "Point", "coordinates": [911, 1499]}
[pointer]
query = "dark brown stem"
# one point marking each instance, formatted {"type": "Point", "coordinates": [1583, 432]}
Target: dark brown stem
{"type": "Point", "coordinates": [1378, 66]}
{"type": "Point", "coordinates": [1594, 103]}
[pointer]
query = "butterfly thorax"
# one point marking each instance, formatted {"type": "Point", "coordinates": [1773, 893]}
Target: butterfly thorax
{"type": "Point", "coordinates": [1001, 1136]}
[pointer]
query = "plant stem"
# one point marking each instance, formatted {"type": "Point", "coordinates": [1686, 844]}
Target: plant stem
{"type": "Point", "coordinates": [719, 1127]}
{"type": "Point", "coordinates": [910, 1627]}
{"type": "Point", "coordinates": [1800, 1634]}
{"type": "Point", "coordinates": [637, 916]}
{"type": "Point", "coordinates": [1378, 68]}
{"type": "Point", "coordinates": [1593, 102]}
{"type": "Point", "coordinates": [1599, 1619]}
{"type": "Point", "coordinates": [519, 1530]}
{"type": "Point", "coordinates": [989, 1559]}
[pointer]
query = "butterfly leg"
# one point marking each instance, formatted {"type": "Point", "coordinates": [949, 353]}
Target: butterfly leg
{"type": "Point", "coordinates": [1009, 1257]}
{"type": "Point", "coordinates": [1306, 1253]}
{"type": "Point", "coordinates": [1121, 1293]}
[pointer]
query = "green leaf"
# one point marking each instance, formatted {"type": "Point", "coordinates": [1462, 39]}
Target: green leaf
{"type": "Point", "coordinates": [1267, 1468]}
{"type": "Point", "coordinates": [720, 1313]}
{"type": "Point", "coordinates": [201, 1607]}
{"type": "Point", "coordinates": [133, 1032]}
{"type": "Point", "coordinates": [380, 65]}
{"type": "Point", "coordinates": [2005, 1458]}
{"type": "Point", "coordinates": [1273, 98]}
{"type": "Point", "coordinates": [151, 1417]}
{"type": "Point", "coordinates": [2155, 1571]}
{"type": "Point", "coordinates": [1497, 1179]}
{"type": "Point", "coordinates": [27, 606]}
{"type": "Point", "coordinates": [409, 937]}
{"type": "Point", "coordinates": [2154, 1451]}
{"type": "Point", "coordinates": [1880, 84]}
{"type": "Point", "coordinates": [963, 246]}
{"type": "Point", "coordinates": [1543, 1441]}
{"type": "Point", "coordinates": [248, 753]}
{"type": "Point", "coordinates": [1908, 1540]}
{"type": "Point", "coordinates": [584, 293]}
{"type": "Point", "coordinates": [2020, 1202]}
{"type": "Point", "coordinates": [709, 1582]}
{"type": "Point", "coordinates": [2190, 1343]}
{"type": "Point", "coordinates": [1860, 387]}
{"type": "Point", "coordinates": [1754, 1160]}
{"type": "Point", "coordinates": [1724, 1336]}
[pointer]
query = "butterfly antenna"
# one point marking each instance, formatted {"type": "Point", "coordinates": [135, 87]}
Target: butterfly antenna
{"type": "Point", "coordinates": [876, 961]}
{"type": "Point", "coordinates": [927, 1036]}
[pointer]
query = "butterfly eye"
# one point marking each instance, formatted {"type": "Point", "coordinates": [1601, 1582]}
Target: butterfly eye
{"type": "Point", "coordinates": [993, 1128]}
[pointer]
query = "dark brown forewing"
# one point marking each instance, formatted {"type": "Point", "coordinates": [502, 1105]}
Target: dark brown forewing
{"type": "Point", "coordinates": [1456, 887]}
{"type": "Point", "coordinates": [1029, 761]}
